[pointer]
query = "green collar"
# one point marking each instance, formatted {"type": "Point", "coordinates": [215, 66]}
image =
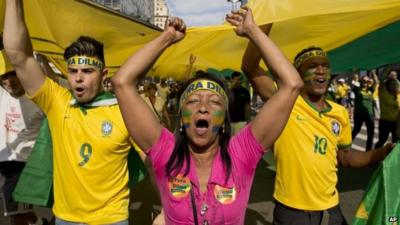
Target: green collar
{"type": "Point", "coordinates": [320, 112]}
{"type": "Point", "coordinates": [102, 99]}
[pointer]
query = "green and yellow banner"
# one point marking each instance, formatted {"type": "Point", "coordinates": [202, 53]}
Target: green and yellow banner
{"type": "Point", "coordinates": [381, 202]}
{"type": "Point", "coordinates": [337, 26]}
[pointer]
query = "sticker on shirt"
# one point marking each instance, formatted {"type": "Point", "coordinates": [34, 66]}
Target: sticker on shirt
{"type": "Point", "coordinates": [179, 186]}
{"type": "Point", "coordinates": [106, 128]}
{"type": "Point", "coordinates": [225, 195]}
{"type": "Point", "coordinates": [335, 127]}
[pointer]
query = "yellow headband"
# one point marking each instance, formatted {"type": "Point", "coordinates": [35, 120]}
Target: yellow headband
{"type": "Point", "coordinates": [203, 85]}
{"type": "Point", "coordinates": [85, 60]}
{"type": "Point", "coordinates": [307, 55]}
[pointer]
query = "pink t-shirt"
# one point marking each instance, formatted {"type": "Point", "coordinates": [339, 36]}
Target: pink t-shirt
{"type": "Point", "coordinates": [223, 202]}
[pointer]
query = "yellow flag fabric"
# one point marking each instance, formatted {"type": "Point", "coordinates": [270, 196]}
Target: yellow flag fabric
{"type": "Point", "coordinates": [54, 24]}
{"type": "Point", "coordinates": [5, 65]}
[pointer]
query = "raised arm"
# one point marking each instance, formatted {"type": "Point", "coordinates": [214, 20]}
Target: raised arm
{"type": "Point", "coordinates": [143, 126]}
{"type": "Point", "coordinates": [251, 67]}
{"type": "Point", "coordinates": [189, 69]}
{"type": "Point", "coordinates": [272, 118]}
{"type": "Point", "coordinates": [18, 48]}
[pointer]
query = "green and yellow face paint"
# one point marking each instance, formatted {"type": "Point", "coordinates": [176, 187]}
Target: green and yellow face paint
{"type": "Point", "coordinates": [186, 118]}
{"type": "Point", "coordinates": [309, 76]}
{"type": "Point", "coordinates": [217, 120]}
{"type": "Point", "coordinates": [85, 61]}
{"type": "Point", "coordinates": [218, 117]}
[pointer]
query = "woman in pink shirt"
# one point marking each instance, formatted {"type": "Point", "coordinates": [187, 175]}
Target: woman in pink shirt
{"type": "Point", "coordinates": [203, 174]}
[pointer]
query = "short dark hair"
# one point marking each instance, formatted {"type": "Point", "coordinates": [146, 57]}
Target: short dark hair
{"type": "Point", "coordinates": [8, 74]}
{"type": "Point", "coordinates": [391, 85]}
{"type": "Point", "coordinates": [236, 74]}
{"type": "Point", "coordinates": [151, 85]}
{"type": "Point", "coordinates": [85, 46]}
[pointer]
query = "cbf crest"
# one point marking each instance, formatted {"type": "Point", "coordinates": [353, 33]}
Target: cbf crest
{"type": "Point", "coordinates": [335, 127]}
{"type": "Point", "coordinates": [106, 128]}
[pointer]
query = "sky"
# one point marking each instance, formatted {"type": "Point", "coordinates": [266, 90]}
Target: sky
{"type": "Point", "coordinates": [200, 12]}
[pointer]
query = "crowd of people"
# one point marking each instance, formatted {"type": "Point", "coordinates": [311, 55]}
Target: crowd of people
{"type": "Point", "coordinates": [198, 138]}
{"type": "Point", "coordinates": [368, 99]}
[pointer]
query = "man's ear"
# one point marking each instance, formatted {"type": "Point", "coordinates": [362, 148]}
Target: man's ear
{"type": "Point", "coordinates": [104, 74]}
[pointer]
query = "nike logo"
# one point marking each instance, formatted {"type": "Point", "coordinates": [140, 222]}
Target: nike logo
{"type": "Point", "coordinates": [300, 118]}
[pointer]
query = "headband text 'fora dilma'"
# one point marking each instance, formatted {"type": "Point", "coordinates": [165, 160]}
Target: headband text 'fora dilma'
{"type": "Point", "coordinates": [203, 85]}
{"type": "Point", "coordinates": [307, 55]}
{"type": "Point", "coordinates": [85, 60]}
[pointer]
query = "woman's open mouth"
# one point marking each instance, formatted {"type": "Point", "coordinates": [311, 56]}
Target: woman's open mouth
{"type": "Point", "coordinates": [201, 126]}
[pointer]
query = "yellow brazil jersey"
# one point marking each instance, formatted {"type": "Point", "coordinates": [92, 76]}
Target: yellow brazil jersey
{"type": "Point", "coordinates": [341, 91]}
{"type": "Point", "coordinates": [375, 95]}
{"type": "Point", "coordinates": [389, 105]}
{"type": "Point", "coordinates": [89, 158]}
{"type": "Point", "coordinates": [305, 155]}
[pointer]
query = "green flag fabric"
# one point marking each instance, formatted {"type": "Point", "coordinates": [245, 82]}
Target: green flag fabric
{"type": "Point", "coordinates": [36, 180]}
{"type": "Point", "coordinates": [381, 201]}
{"type": "Point", "coordinates": [370, 51]}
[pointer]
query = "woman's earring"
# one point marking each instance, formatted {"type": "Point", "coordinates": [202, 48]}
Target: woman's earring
{"type": "Point", "coordinates": [180, 129]}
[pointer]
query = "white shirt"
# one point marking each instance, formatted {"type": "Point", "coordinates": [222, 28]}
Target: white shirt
{"type": "Point", "coordinates": [20, 121]}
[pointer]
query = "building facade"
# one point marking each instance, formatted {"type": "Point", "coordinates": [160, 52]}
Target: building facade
{"type": "Point", "coordinates": [152, 11]}
{"type": "Point", "coordinates": [161, 13]}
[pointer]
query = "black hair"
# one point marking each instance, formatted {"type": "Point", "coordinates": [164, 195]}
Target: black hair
{"type": "Point", "coordinates": [8, 74]}
{"type": "Point", "coordinates": [309, 49]}
{"type": "Point", "coordinates": [391, 85]}
{"type": "Point", "coordinates": [181, 152]}
{"type": "Point", "coordinates": [151, 85]}
{"type": "Point", "coordinates": [85, 46]}
{"type": "Point", "coordinates": [236, 74]}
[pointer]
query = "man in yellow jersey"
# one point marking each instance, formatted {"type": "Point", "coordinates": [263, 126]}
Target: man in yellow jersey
{"type": "Point", "coordinates": [389, 100]}
{"type": "Point", "coordinates": [342, 90]}
{"type": "Point", "coordinates": [90, 141]}
{"type": "Point", "coordinates": [316, 138]}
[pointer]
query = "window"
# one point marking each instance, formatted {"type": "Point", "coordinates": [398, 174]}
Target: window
{"type": "Point", "coordinates": [116, 4]}
{"type": "Point", "coordinates": [107, 3]}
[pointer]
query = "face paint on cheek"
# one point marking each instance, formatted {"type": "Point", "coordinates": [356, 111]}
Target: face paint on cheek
{"type": "Point", "coordinates": [307, 82]}
{"type": "Point", "coordinates": [186, 117]}
{"type": "Point", "coordinates": [217, 120]}
{"type": "Point", "coordinates": [308, 76]}
{"type": "Point", "coordinates": [328, 74]}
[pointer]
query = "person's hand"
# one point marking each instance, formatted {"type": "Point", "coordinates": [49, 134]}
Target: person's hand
{"type": "Point", "coordinates": [386, 149]}
{"type": "Point", "coordinates": [192, 59]}
{"type": "Point", "coordinates": [243, 21]}
{"type": "Point", "coordinates": [176, 28]}
{"type": "Point", "coordinates": [159, 220]}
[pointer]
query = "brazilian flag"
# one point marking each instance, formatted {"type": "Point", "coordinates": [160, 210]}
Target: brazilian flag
{"type": "Point", "coordinates": [381, 201]}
